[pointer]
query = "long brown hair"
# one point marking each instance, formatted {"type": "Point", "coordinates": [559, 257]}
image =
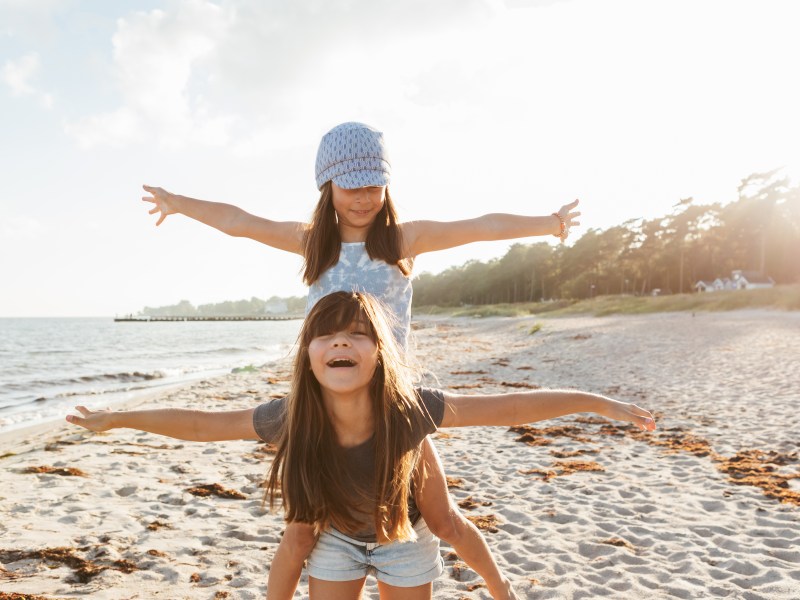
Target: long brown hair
{"type": "Point", "coordinates": [309, 467]}
{"type": "Point", "coordinates": [322, 242]}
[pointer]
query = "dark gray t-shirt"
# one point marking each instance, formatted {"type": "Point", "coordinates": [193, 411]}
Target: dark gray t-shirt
{"type": "Point", "coordinates": [269, 419]}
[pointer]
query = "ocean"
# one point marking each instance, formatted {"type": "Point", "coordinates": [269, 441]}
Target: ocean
{"type": "Point", "coordinates": [50, 365]}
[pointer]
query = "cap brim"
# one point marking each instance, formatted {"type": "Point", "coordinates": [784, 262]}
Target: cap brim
{"type": "Point", "coordinates": [359, 179]}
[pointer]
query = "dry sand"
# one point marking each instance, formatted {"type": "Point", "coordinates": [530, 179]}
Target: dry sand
{"type": "Point", "coordinates": [706, 507]}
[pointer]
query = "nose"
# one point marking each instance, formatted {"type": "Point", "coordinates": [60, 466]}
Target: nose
{"type": "Point", "coordinates": [340, 339]}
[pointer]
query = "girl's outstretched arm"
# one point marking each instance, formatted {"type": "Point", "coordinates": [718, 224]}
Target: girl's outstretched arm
{"type": "Point", "coordinates": [428, 236]}
{"type": "Point", "coordinates": [539, 405]}
{"type": "Point", "coordinates": [230, 219]}
{"type": "Point", "coordinates": [183, 424]}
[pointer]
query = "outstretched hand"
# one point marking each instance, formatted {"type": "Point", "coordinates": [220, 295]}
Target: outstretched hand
{"type": "Point", "coordinates": [625, 411]}
{"type": "Point", "coordinates": [99, 420]}
{"type": "Point", "coordinates": [162, 200]}
{"type": "Point", "coordinates": [569, 217]}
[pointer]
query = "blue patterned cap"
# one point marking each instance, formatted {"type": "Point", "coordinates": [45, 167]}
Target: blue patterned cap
{"type": "Point", "coordinates": [353, 155]}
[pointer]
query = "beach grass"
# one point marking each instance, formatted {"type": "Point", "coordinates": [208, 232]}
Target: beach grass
{"type": "Point", "coordinates": [782, 297]}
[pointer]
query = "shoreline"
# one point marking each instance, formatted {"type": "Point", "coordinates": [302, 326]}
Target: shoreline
{"type": "Point", "coordinates": [28, 437]}
{"type": "Point", "coordinates": [59, 363]}
{"type": "Point", "coordinates": [573, 506]}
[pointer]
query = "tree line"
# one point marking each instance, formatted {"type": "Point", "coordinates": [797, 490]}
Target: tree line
{"type": "Point", "coordinates": [229, 308]}
{"type": "Point", "coordinates": [760, 231]}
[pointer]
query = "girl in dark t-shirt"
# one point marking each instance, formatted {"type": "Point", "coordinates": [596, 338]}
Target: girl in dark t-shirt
{"type": "Point", "coordinates": [348, 437]}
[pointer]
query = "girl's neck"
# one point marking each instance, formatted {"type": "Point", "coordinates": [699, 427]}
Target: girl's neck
{"type": "Point", "coordinates": [351, 416]}
{"type": "Point", "coordinates": [353, 235]}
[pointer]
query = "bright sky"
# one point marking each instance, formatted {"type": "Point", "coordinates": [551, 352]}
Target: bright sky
{"type": "Point", "coordinates": [487, 106]}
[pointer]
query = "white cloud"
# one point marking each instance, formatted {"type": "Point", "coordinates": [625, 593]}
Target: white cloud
{"type": "Point", "coordinates": [19, 74]}
{"type": "Point", "coordinates": [37, 21]}
{"type": "Point", "coordinates": [236, 72]}
{"type": "Point", "coordinates": [158, 60]}
{"type": "Point", "coordinates": [553, 87]}
{"type": "Point", "coordinates": [117, 129]}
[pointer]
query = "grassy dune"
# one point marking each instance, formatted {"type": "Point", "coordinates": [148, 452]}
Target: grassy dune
{"type": "Point", "coordinates": [783, 297]}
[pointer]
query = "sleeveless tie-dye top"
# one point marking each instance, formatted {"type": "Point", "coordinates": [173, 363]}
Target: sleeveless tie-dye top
{"type": "Point", "coordinates": [357, 272]}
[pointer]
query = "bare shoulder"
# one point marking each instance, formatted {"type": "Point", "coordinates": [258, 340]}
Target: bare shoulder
{"type": "Point", "coordinates": [408, 232]}
{"type": "Point", "coordinates": [429, 236]}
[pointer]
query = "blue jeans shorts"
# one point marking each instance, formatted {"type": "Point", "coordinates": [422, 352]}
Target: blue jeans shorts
{"type": "Point", "coordinates": [337, 557]}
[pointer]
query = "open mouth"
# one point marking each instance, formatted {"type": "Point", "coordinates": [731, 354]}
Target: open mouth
{"type": "Point", "coordinates": [339, 363]}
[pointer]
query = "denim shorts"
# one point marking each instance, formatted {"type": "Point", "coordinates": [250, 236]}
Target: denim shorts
{"type": "Point", "coordinates": [337, 557]}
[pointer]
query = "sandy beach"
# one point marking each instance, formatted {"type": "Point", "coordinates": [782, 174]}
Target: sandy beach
{"type": "Point", "coordinates": [708, 506]}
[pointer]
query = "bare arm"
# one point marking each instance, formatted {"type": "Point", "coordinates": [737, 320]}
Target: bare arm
{"type": "Point", "coordinates": [539, 405]}
{"type": "Point", "coordinates": [179, 423]}
{"type": "Point", "coordinates": [230, 219]}
{"type": "Point", "coordinates": [428, 236]}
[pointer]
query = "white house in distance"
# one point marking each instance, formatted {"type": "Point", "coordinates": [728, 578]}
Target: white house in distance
{"type": "Point", "coordinates": [712, 286]}
{"type": "Point", "coordinates": [748, 280]}
{"type": "Point", "coordinates": [739, 280]}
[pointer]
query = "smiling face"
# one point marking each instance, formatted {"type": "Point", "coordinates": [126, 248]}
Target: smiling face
{"type": "Point", "coordinates": [344, 361]}
{"type": "Point", "coordinates": [357, 209]}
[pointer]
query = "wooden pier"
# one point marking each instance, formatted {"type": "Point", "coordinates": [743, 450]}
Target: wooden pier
{"type": "Point", "coordinates": [172, 319]}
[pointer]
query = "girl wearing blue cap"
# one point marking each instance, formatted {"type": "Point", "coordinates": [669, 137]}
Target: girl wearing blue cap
{"type": "Point", "coordinates": [355, 242]}
{"type": "Point", "coordinates": [349, 438]}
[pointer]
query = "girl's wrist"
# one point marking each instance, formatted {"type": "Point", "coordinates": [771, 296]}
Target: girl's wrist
{"type": "Point", "coordinates": [176, 203]}
{"type": "Point", "coordinates": [114, 420]}
{"type": "Point", "coordinates": [561, 226]}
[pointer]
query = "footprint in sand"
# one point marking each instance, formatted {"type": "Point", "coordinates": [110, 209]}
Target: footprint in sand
{"type": "Point", "coordinates": [713, 505]}
{"type": "Point", "coordinates": [738, 567]}
{"type": "Point", "coordinates": [68, 520]}
{"type": "Point", "coordinates": [720, 575]}
{"type": "Point", "coordinates": [127, 490]}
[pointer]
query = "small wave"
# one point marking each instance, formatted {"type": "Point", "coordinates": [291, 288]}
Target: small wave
{"type": "Point", "coordinates": [71, 394]}
{"type": "Point", "coordinates": [226, 350]}
{"type": "Point", "coordinates": [125, 377]}
{"type": "Point", "coordinates": [130, 388]}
